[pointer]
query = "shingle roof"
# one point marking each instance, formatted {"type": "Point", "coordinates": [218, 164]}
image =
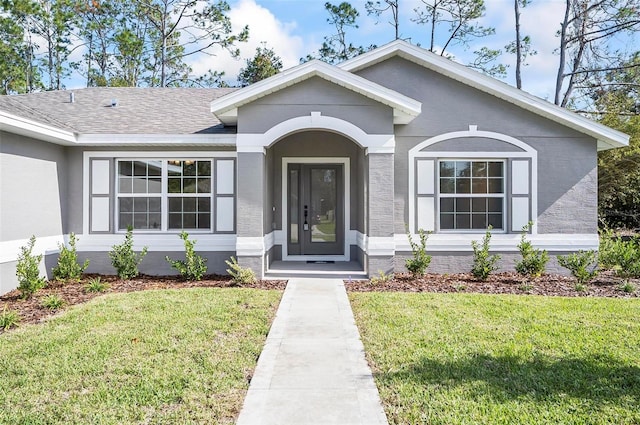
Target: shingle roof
{"type": "Point", "coordinates": [148, 110]}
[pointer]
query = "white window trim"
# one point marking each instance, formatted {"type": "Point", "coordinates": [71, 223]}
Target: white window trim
{"type": "Point", "coordinates": [526, 152]}
{"type": "Point", "coordinates": [164, 195]}
{"type": "Point", "coordinates": [87, 156]}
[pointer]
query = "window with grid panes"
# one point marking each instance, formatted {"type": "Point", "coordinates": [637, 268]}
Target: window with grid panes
{"type": "Point", "coordinates": [471, 194]}
{"type": "Point", "coordinates": [164, 194]}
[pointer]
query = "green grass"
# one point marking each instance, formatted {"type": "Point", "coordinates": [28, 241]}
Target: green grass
{"type": "Point", "coordinates": [154, 357]}
{"type": "Point", "coordinates": [483, 359]}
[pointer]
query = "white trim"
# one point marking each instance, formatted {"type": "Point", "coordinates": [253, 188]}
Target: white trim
{"type": "Point", "coordinates": [45, 245]}
{"type": "Point", "coordinates": [501, 242]}
{"type": "Point", "coordinates": [147, 155]}
{"type": "Point", "coordinates": [276, 237]}
{"type": "Point", "coordinates": [375, 143]}
{"type": "Point", "coordinates": [474, 155]}
{"type": "Point", "coordinates": [18, 125]}
{"type": "Point", "coordinates": [30, 128]}
{"type": "Point", "coordinates": [529, 152]}
{"type": "Point", "coordinates": [351, 237]}
{"type": "Point", "coordinates": [361, 240]}
{"type": "Point", "coordinates": [101, 178]}
{"type": "Point", "coordinates": [519, 213]}
{"type": "Point", "coordinates": [225, 177]}
{"type": "Point", "coordinates": [405, 109]}
{"type": "Point", "coordinates": [100, 214]}
{"type": "Point", "coordinates": [426, 177]}
{"type": "Point", "coordinates": [250, 246]}
{"type": "Point", "coordinates": [426, 213]}
{"type": "Point", "coordinates": [161, 242]}
{"type": "Point", "coordinates": [181, 140]}
{"type": "Point", "coordinates": [159, 154]}
{"type": "Point", "coordinates": [519, 177]}
{"type": "Point", "coordinates": [474, 133]}
{"type": "Point", "coordinates": [380, 246]}
{"type": "Point", "coordinates": [346, 176]}
{"type": "Point", "coordinates": [607, 137]}
{"type": "Point", "coordinates": [270, 240]}
{"type": "Point", "coordinates": [225, 213]}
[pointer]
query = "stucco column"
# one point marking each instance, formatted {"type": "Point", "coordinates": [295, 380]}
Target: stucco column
{"type": "Point", "coordinates": [250, 211]}
{"type": "Point", "coordinates": [380, 242]}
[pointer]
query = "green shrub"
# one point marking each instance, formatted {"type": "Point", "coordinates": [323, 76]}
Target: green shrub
{"type": "Point", "coordinates": [534, 261]}
{"type": "Point", "coordinates": [194, 266]}
{"type": "Point", "coordinates": [96, 285]}
{"type": "Point", "coordinates": [420, 261]}
{"type": "Point", "coordinates": [124, 259]}
{"type": "Point", "coordinates": [579, 264]}
{"type": "Point", "coordinates": [525, 287]}
{"type": "Point", "coordinates": [627, 287]}
{"type": "Point", "coordinates": [483, 263]}
{"type": "Point", "coordinates": [68, 266]}
{"type": "Point", "coordinates": [239, 274]}
{"type": "Point", "coordinates": [9, 319]}
{"type": "Point", "coordinates": [607, 250]}
{"type": "Point", "coordinates": [381, 278]}
{"type": "Point", "coordinates": [53, 302]}
{"type": "Point", "coordinates": [580, 287]}
{"type": "Point", "coordinates": [622, 256]}
{"type": "Point", "coordinates": [28, 270]}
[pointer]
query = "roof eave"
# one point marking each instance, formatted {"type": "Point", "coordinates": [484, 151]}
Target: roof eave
{"type": "Point", "coordinates": [212, 140]}
{"type": "Point", "coordinates": [34, 129]}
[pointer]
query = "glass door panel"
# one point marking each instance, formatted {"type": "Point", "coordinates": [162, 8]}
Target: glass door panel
{"type": "Point", "coordinates": [315, 209]}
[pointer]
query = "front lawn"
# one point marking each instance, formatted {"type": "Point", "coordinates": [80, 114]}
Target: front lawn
{"type": "Point", "coordinates": [502, 359]}
{"type": "Point", "coordinates": [154, 357]}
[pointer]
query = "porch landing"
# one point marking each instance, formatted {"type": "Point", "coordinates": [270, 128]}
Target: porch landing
{"type": "Point", "coordinates": [336, 270]}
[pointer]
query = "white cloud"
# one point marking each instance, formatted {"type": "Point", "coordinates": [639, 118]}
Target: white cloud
{"type": "Point", "coordinates": [541, 22]}
{"type": "Point", "coordinates": [263, 27]}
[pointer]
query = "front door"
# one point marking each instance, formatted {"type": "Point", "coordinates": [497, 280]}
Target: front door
{"type": "Point", "coordinates": [315, 209]}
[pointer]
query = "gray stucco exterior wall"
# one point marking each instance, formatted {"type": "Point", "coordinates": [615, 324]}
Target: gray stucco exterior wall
{"type": "Point", "coordinates": [380, 195]}
{"type": "Point", "coordinates": [566, 159]}
{"type": "Point", "coordinates": [315, 95]}
{"type": "Point", "coordinates": [34, 190]}
{"type": "Point", "coordinates": [155, 263]}
{"type": "Point", "coordinates": [33, 199]}
{"type": "Point", "coordinates": [251, 172]}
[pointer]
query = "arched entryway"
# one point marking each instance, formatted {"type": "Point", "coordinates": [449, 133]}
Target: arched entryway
{"type": "Point", "coordinates": [318, 183]}
{"type": "Point", "coordinates": [283, 177]}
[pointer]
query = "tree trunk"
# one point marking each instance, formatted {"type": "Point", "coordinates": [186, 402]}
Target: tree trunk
{"type": "Point", "coordinates": [562, 52]}
{"type": "Point", "coordinates": [518, 45]}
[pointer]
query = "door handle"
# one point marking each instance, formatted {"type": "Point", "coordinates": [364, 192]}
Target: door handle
{"type": "Point", "coordinates": [305, 226]}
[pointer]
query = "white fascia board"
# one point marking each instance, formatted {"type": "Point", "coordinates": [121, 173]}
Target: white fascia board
{"type": "Point", "coordinates": [157, 140]}
{"type": "Point", "coordinates": [607, 137]}
{"type": "Point", "coordinates": [405, 108]}
{"type": "Point", "coordinates": [30, 128]}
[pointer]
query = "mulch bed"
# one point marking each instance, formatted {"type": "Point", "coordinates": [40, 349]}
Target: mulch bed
{"type": "Point", "coordinates": [605, 285]}
{"type": "Point", "coordinates": [32, 311]}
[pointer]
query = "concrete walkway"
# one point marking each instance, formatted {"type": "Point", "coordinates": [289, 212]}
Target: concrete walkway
{"type": "Point", "coordinates": [312, 369]}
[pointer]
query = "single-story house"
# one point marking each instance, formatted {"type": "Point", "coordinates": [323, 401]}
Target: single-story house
{"type": "Point", "coordinates": [319, 163]}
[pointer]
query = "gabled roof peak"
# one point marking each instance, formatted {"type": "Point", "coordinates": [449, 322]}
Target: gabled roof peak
{"type": "Point", "coordinates": [607, 137]}
{"type": "Point", "coordinates": [404, 107]}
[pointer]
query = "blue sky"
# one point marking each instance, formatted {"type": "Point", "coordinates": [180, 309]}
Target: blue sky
{"type": "Point", "coordinates": [294, 28]}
